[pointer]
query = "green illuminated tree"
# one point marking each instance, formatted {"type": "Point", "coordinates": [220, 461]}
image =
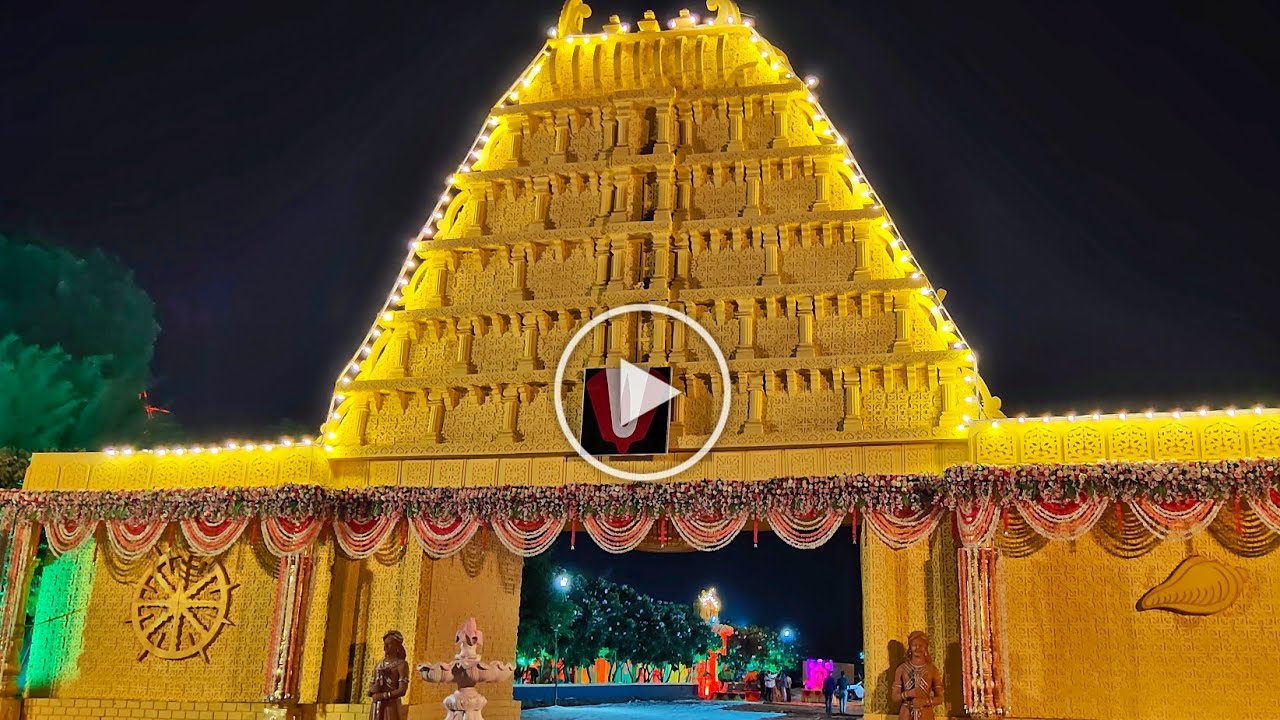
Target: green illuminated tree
{"type": "Point", "coordinates": [76, 340]}
{"type": "Point", "coordinates": [756, 647]}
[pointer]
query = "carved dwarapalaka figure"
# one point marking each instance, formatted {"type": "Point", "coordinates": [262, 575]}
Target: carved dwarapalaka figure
{"type": "Point", "coordinates": [390, 679]}
{"type": "Point", "coordinates": [918, 683]}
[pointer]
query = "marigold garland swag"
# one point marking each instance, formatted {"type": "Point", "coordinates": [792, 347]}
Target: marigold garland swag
{"type": "Point", "coordinates": [1171, 498]}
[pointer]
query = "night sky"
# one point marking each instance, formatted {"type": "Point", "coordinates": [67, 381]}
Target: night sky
{"type": "Point", "coordinates": [1094, 184]}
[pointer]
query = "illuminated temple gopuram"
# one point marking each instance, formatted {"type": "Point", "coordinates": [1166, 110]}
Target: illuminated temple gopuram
{"type": "Point", "coordinates": [1093, 566]}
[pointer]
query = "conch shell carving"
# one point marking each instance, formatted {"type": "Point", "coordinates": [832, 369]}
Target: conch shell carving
{"type": "Point", "coordinates": [1198, 586]}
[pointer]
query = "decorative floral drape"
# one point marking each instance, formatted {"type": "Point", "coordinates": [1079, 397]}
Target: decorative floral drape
{"type": "Point", "coordinates": [1061, 502]}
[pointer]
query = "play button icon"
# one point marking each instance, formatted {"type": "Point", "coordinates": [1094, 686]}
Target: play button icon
{"type": "Point", "coordinates": [626, 409]}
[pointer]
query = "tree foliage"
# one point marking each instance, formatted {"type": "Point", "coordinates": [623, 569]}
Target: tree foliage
{"type": "Point", "coordinates": [76, 340]}
{"type": "Point", "coordinates": [756, 647]}
{"type": "Point", "coordinates": [13, 466]}
{"type": "Point", "coordinates": [611, 621]}
{"type": "Point", "coordinates": [544, 611]}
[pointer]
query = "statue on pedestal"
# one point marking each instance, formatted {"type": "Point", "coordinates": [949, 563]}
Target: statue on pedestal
{"type": "Point", "coordinates": [390, 680]}
{"type": "Point", "coordinates": [918, 682]}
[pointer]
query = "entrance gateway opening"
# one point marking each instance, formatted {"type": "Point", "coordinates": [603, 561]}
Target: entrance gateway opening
{"type": "Point", "coordinates": [680, 163]}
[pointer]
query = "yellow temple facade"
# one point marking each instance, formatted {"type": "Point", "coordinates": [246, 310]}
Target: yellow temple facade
{"type": "Point", "coordinates": [680, 162]}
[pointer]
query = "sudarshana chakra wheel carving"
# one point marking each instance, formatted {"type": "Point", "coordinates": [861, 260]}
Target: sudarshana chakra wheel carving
{"type": "Point", "coordinates": [181, 606]}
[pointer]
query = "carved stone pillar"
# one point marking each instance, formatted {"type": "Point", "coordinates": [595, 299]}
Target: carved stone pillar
{"type": "Point", "coordinates": [851, 383]}
{"type": "Point", "coordinates": [781, 122]}
{"type": "Point", "coordinates": [361, 421]}
{"type": "Point", "coordinates": [599, 339]}
{"type": "Point", "coordinates": [609, 127]}
{"type": "Point", "coordinates": [437, 281]}
{"type": "Point", "coordinates": [602, 264]}
{"type": "Point", "coordinates": [664, 212]}
{"type": "Point", "coordinates": [684, 110]}
{"type": "Point", "coordinates": [745, 313]}
{"type": "Point", "coordinates": [521, 256]}
{"type": "Point", "coordinates": [22, 542]}
{"type": "Point", "coordinates": [284, 649]}
{"type": "Point", "coordinates": [681, 250]}
{"type": "Point", "coordinates": [661, 329]}
{"type": "Point", "coordinates": [752, 173]}
{"type": "Point", "coordinates": [662, 143]}
{"type": "Point", "coordinates": [983, 640]}
{"type": "Point", "coordinates": [822, 173]}
{"type": "Point", "coordinates": [510, 414]}
{"type": "Point", "coordinates": [735, 127]}
{"type": "Point", "coordinates": [684, 196]}
{"type": "Point", "coordinates": [661, 278]}
{"type": "Point", "coordinates": [679, 404]}
{"type": "Point", "coordinates": [622, 181]}
{"type": "Point", "coordinates": [953, 393]}
{"type": "Point", "coordinates": [754, 385]}
{"type": "Point", "coordinates": [606, 198]}
{"type": "Point", "coordinates": [529, 328]}
{"type": "Point", "coordinates": [560, 148]}
{"type": "Point", "coordinates": [772, 250]}
{"type": "Point", "coordinates": [902, 321]}
{"type": "Point", "coordinates": [462, 364]}
{"type": "Point", "coordinates": [541, 204]}
{"type": "Point", "coordinates": [399, 356]}
{"type": "Point", "coordinates": [620, 249]}
{"type": "Point", "coordinates": [804, 328]}
{"type": "Point", "coordinates": [435, 416]}
{"type": "Point", "coordinates": [623, 145]}
{"type": "Point", "coordinates": [679, 338]}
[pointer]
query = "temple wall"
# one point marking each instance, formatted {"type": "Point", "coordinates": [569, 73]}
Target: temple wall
{"type": "Point", "coordinates": [1078, 647]}
{"type": "Point", "coordinates": [902, 591]}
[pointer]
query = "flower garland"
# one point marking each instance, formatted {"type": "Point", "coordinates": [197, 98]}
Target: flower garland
{"type": "Point", "coordinates": [1009, 486]}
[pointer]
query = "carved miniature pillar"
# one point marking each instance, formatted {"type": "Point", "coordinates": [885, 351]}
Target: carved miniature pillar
{"type": "Point", "coordinates": [22, 543]}
{"type": "Point", "coordinates": [754, 385]}
{"type": "Point", "coordinates": [606, 198]}
{"type": "Point", "coordinates": [902, 321]}
{"type": "Point", "coordinates": [983, 641]}
{"type": "Point", "coordinates": [560, 149]}
{"type": "Point", "coordinates": [609, 127]}
{"type": "Point", "coordinates": [622, 180]}
{"type": "Point", "coordinates": [399, 356]}
{"type": "Point", "coordinates": [515, 129]}
{"type": "Point", "coordinates": [684, 110]}
{"type": "Point", "coordinates": [520, 258]}
{"type": "Point", "coordinates": [735, 127]}
{"type": "Point", "coordinates": [659, 350]}
{"type": "Point", "coordinates": [602, 264]}
{"type": "Point", "coordinates": [529, 359]}
{"type": "Point", "coordinates": [462, 364]}
{"type": "Point", "coordinates": [746, 315]}
{"type": "Point", "coordinates": [599, 338]}
{"type": "Point", "coordinates": [474, 214]}
{"type": "Point", "coordinates": [284, 650]}
{"type": "Point", "coordinates": [781, 108]}
{"type": "Point", "coordinates": [437, 280]}
{"type": "Point", "coordinates": [751, 170]}
{"type": "Point", "coordinates": [862, 244]}
{"type": "Point", "coordinates": [622, 147]}
{"type": "Point", "coordinates": [852, 384]}
{"type": "Point", "coordinates": [510, 414]}
{"type": "Point", "coordinates": [541, 204]}
{"type": "Point", "coordinates": [804, 328]}
{"type": "Point", "coordinates": [661, 279]}
{"type": "Point", "coordinates": [662, 144]}
{"type": "Point", "coordinates": [678, 407]}
{"type": "Point", "coordinates": [822, 173]}
{"type": "Point", "coordinates": [681, 279]}
{"type": "Point", "coordinates": [621, 336]}
{"type": "Point", "coordinates": [684, 195]}
{"type": "Point", "coordinates": [666, 197]}
{"type": "Point", "coordinates": [679, 338]}
{"type": "Point", "coordinates": [953, 394]}
{"type": "Point", "coordinates": [620, 249]}
{"type": "Point", "coordinates": [771, 252]}
{"type": "Point", "coordinates": [435, 416]}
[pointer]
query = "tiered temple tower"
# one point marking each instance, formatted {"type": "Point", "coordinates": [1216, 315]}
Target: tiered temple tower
{"type": "Point", "coordinates": [684, 164]}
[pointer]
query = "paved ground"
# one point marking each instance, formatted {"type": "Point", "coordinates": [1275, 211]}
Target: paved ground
{"type": "Point", "coordinates": [688, 710]}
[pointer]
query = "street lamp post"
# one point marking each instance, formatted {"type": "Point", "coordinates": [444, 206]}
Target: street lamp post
{"type": "Point", "coordinates": [562, 583]}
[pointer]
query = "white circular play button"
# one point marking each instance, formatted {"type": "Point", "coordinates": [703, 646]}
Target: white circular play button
{"type": "Point", "coordinates": [622, 401]}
